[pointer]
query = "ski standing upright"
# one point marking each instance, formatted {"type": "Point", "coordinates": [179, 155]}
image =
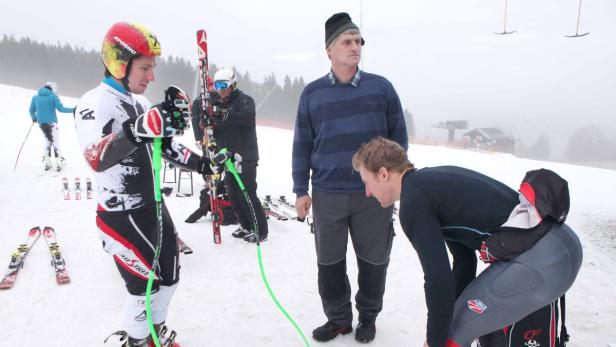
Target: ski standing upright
{"type": "Point", "coordinates": [89, 192]}
{"type": "Point", "coordinates": [77, 189]}
{"type": "Point", "coordinates": [208, 143]}
{"type": "Point", "coordinates": [65, 191]}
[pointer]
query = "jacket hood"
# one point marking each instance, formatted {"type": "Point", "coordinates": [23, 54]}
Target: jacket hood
{"type": "Point", "coordinates": [44, 91]}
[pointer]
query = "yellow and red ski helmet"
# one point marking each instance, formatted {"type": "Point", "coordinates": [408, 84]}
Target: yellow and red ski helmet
{"type": "Point", "coordinates": [125, 41]}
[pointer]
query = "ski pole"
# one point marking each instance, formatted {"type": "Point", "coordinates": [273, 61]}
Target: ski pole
{"type": "Point", "coordinates": [22, 146]}
{"type": "Point", "coordinates": [156, 160]}
{"type": "Point", "coordinates": [231, 168]}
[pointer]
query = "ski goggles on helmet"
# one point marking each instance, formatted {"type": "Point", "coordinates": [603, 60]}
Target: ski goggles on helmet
{"type": "Point", "coordinates": [221, 85]}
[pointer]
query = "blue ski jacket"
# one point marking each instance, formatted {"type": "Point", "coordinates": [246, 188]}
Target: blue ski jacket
{"type": "Point", "coordinates": [44, 105]}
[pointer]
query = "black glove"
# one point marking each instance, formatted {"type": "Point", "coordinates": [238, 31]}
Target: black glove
{"type": "Point", "coordinates": [221, 157]}
{"type": "Point", "coordinates": [203, 167]}
{"type": "Point", "coordinates": [167, 119]}
{"type": "Point", "coordinates": [222, 113]}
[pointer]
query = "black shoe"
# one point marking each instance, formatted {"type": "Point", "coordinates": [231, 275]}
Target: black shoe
{"type": "Point", "coordinates": [240, 233]}
{"type": "Point", "coordinates": [329, 331]}
{"type": "Point", "coordinates": [253, 238]}
{"type": "Point", "coordinates": [365, 332]}
{"type": "Point", "coordinates": [194, 216]}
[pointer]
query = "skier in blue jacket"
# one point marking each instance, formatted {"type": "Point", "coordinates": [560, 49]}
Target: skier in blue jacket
{"type": "Point", "coordinates": [43, 111]}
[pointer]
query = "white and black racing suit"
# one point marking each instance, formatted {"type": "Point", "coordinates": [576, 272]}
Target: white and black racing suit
{"type": "Point", "coordinates": [126, 213]}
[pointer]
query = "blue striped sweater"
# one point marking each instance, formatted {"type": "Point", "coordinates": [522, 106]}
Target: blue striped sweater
{"type": "Point", "coordinates": [333, 120]}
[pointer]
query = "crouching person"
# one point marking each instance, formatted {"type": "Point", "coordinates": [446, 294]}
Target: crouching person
{"type": "Point", "coordinates": [453, 208]}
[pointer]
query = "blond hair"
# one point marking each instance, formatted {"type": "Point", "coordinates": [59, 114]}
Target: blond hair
{"type": "Point", "coordinates": [381, 152]}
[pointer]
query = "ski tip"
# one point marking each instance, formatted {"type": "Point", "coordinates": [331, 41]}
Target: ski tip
{"type": "Point", "coordinates": [63, 280]}
{"type": "Point", "coordinates": [34, 231]}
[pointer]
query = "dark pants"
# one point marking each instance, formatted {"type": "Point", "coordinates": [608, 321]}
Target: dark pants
{"type": "Point", "coordinates": [371, 229]}
{"type": "Point", "coordinates": [130, 237]}
{"type": "Point", "coordinates": [239, 203]}
{"type": "Point", "coordinates": [508, 291]}
{"type": "Point", "coordinates": [52, 147]}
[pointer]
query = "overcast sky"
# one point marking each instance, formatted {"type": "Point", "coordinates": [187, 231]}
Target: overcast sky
{"type": "Point", "coordinates": [441, 55]}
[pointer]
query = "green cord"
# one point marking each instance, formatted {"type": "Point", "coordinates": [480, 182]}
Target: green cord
{"type": "Point", "coordinates": [271, 293]}
{"type": "Point", "coordinates": [231, 168]}
{"type": "Point", "coordinates": [156, 160]}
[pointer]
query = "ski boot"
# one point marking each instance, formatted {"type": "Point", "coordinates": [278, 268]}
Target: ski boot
{"type": "Point", "coordinates": [128, 341]}
{"type": "Point", "coordinates": [164, 339]}
{"type": "Point", "coordinates": [252, 238]}
{"type": "Point", "coordinates": [60, 163]}
{"type": "Point", "coordinates": [161, 330]}
{"type": "Point", "coordinates": [47, 162]}
{"type": "Point", "coordinates": [240, 233]}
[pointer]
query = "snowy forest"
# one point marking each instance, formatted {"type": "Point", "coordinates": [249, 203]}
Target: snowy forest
{"type": "Point", "coordinates": [76, 70]}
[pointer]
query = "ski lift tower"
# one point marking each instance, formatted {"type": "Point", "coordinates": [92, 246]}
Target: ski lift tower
{"type": "Point", "coordinates": [452, 126]}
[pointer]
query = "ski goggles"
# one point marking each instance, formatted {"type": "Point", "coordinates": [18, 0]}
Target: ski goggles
{"type": "Point", "coordinates": [221, 85]}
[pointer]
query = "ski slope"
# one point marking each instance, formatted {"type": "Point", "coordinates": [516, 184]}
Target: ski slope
{"type": "Point", "coordinates": [221, 300]}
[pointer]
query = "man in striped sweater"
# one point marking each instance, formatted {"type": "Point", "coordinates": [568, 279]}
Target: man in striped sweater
{"type": "Point", "coordinates": [336, 114]}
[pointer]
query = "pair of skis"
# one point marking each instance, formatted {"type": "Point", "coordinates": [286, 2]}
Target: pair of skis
{"type": "Point", "coordinates": [55, 173]}
{"type": "Point", "coordinates": [282, 209]}
{"type": "Point", "coordinates": [276, 209]}
{"type": "Point", "coordinates": [66, 192]}
{"type": "Point", "coordinates": [18, 257]}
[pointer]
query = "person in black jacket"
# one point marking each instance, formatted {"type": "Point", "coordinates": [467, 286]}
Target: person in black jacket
{"type": "Point", "coordinates": [461, 209]}
{"type": "Point", "coordinates": [235, 129]}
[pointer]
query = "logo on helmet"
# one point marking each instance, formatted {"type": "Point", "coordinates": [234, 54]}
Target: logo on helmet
{"type": "Point", "coordinates": [125, 45]}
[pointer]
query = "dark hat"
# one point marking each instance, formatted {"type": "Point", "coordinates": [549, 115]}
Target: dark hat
{"type": "Point", "coordinates": [336, 25]}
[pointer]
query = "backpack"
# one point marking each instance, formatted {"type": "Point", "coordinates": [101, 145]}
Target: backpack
{"type": "Point", "coordinates": [549, 194]}
{"type": "Point", "coordinates": [227, 215]}
{"type": "Point", "coordinates": [538, 329]}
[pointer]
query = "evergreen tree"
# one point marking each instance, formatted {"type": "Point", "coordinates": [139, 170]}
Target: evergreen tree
{"type": "Point", "coordinates": [540, 149]}
{"type": "Point", "coordinates": [588, 144]}
{"type": "Point", "coordinates": [410, 123]}
{"type": "Point", "coordinates": [29, 64]}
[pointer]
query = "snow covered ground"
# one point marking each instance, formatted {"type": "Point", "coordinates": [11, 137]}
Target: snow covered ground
{"type": "Point", "coordinates": [221, 300]}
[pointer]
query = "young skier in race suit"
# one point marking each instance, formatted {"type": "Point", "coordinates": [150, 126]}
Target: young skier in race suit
{"type": "Point", "coordinates": [115, 126]}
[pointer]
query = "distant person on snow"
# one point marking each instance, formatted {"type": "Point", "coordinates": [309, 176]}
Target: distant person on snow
{"type": "Point", "coordinates": [43, 111]}
{"type": "Point", "coordinates": [534, 256]}
{"type": "Point", "coordinates": [115, 126]}
{"type": "Point", "coordinates": [234, 117]}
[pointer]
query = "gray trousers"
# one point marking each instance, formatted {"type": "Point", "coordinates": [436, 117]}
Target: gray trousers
{"type": "Point", "coordinates": [508, 291]}
{"type": "Point", "coordinates": [336, 215]}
